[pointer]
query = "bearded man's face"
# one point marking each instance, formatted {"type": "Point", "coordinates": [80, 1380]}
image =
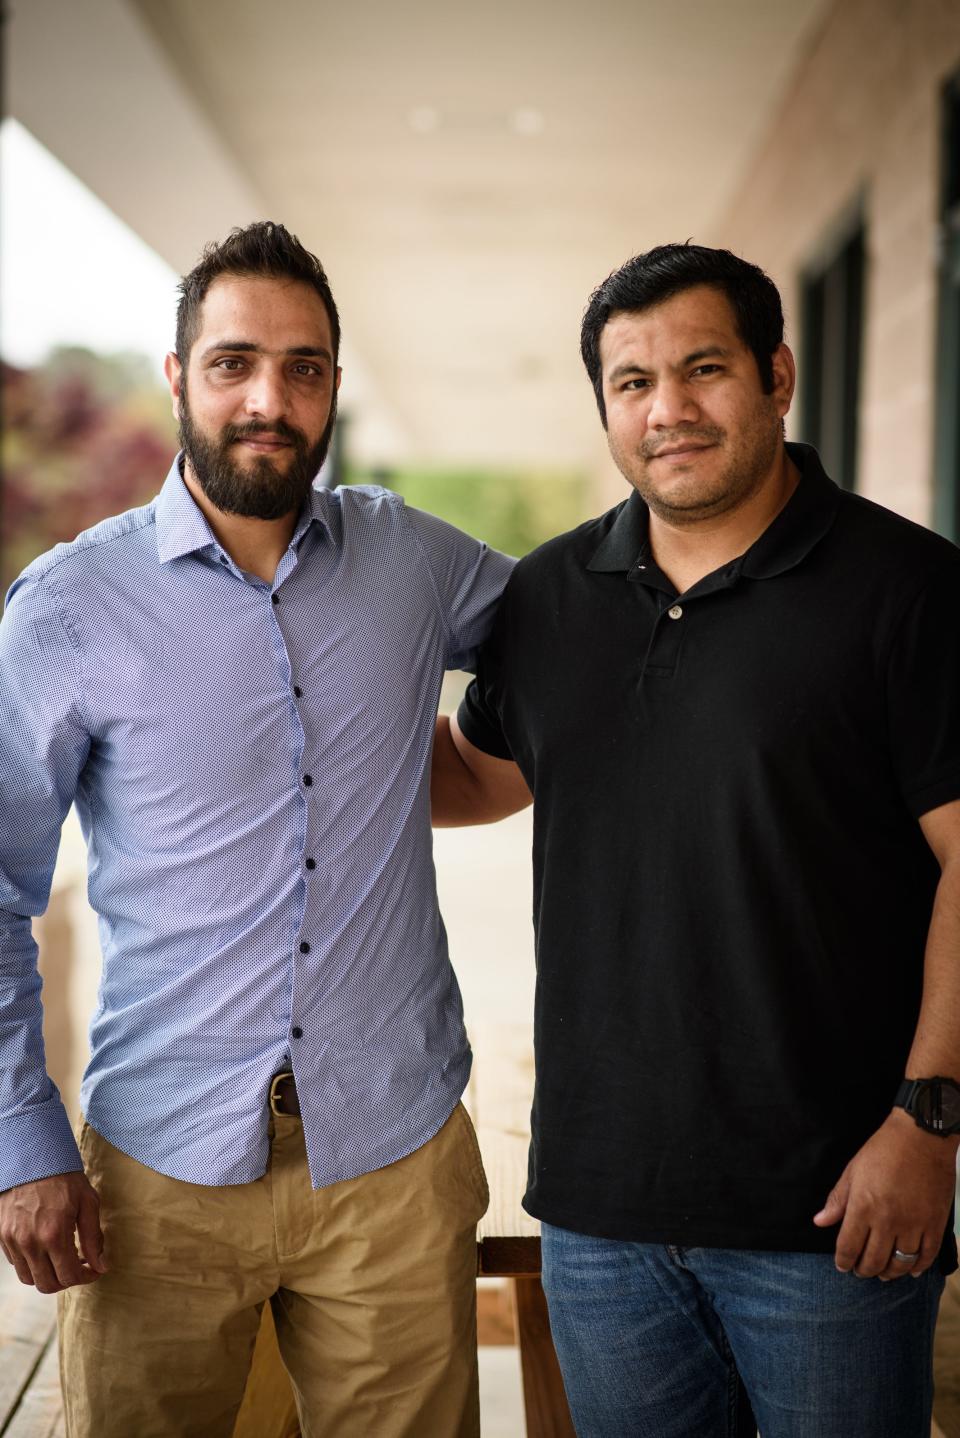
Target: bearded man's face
{"type": "Point", "coordinates": [257, 402]}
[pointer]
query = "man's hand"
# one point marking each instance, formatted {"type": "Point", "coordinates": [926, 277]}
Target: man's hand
{"type": "Point", "coordinates": [37, 1225]}
{"type": "Point", "coordinates": [895, 1193]}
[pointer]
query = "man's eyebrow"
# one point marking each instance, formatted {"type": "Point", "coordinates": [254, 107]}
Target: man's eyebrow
{"type": "Point", "coordinates": [631, 367]}
{"type": "Point", "coordinates": [706, 353]}
{"type": "Point", "coordinates": [248, 347]}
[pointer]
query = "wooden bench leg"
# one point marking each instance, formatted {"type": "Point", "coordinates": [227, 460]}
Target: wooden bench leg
{"type": "Point", "coordinates": [544, 1401]}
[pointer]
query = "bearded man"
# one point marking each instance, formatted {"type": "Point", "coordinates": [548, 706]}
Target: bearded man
{"type": "Point", "coordinates": [237, 686]}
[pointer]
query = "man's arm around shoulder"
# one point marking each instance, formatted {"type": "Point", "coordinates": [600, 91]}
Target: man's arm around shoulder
{"type": "Point", "coordinates": [469, 786]}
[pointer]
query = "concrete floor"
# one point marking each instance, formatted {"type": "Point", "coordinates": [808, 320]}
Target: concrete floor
{"type": "Point", "coordinates": [501, 1397]}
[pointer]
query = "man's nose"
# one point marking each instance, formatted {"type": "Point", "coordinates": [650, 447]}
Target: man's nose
{"type": "Point", "coordinates": [266, 396]}
{"type": "Point", "coordinates": [672, 402]}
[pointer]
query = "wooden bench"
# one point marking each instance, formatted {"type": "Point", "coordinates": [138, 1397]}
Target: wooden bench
{"type": "Point", "coordinates": [508, 1239]}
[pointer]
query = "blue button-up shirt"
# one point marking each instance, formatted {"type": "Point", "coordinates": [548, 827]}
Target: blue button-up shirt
{"type": "Point", "coordinates": [250, 763]}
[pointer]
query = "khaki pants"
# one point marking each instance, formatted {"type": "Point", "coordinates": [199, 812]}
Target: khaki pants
{"type": "Point", "coordinates": [372, 1283]}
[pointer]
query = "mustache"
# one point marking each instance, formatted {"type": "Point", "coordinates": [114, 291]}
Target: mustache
{"type": "Point", "coordinates": [651, 446]}
{"type": "Point", "coordinates": [232, 432]}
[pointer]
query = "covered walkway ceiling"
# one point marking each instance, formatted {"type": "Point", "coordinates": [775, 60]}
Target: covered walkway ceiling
{"type": "Point", "coordinates": [467, 174]}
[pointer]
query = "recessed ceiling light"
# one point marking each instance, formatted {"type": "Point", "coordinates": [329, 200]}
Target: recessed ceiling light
{"type": "Point", "coordinates": [424, 119]}
{"type": "Point", "coordinates": [527, 121]}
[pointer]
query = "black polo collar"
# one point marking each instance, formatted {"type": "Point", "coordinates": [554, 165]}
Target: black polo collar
{"type": "Point", "coordinates": [800, 525]}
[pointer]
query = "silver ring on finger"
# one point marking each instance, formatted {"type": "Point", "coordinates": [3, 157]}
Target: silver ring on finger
{"type": "Point", "coordinates": [902, 1257]}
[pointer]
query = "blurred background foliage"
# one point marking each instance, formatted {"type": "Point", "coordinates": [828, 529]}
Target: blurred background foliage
{"type": "Point", "coordinates": [84, 436]}
{"type": "Point", "coordinates": [88, 435]}
{"type": "Point", "coordinates": [513, 510]}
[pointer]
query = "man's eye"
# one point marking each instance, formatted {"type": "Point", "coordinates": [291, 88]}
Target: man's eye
{"type": "Point", "coordinates": [311, 370]}
{"type": "Point", "coordinates": [637, 384]}
{"type": "Point", "coordinates": [229, 363]}
{"type": "Point", "coordinates": [708, 369]}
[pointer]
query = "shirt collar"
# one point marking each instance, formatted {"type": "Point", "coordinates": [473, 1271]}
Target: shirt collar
{"type": "Point", "coordinates": [801, 524]}
{"type": "Point", "coordinates": [182, 528]}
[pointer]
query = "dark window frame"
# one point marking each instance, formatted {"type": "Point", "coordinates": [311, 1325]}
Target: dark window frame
{"type": "Point", "coordinates": [833, 309]}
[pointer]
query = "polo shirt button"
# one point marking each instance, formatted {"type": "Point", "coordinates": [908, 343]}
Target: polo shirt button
{"type": "Point", "coordinates": [310, 863]}
{"type": "Point", "coordinates": [296, 1033]}
{"type": "Point", "coordinates": [275, 598]}
{"type": "Point", "coordinates": [308, 779]}
{"type": "Point", "coordinates": [304, 948]}
{"type": "Point", "coordinates": [675, 612]}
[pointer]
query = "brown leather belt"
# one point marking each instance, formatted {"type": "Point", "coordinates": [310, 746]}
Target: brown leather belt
{"type": "Point", "coordinates": [283, 1095]}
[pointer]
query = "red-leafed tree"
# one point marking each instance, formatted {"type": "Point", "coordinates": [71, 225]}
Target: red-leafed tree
{"type": "Point", "coordinates": [85, 436]}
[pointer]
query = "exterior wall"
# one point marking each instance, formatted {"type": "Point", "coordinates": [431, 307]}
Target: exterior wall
{"type": "Point", "coordinates": [860, 123]}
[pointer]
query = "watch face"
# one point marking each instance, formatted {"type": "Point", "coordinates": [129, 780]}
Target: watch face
{"type": "Point", "coordinates": [937, 1105]}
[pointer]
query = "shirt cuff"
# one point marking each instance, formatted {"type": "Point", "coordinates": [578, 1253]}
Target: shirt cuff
{"type": "Point", "coordinates": [37, 1143]}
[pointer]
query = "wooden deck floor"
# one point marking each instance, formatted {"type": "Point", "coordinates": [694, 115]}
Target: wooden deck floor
{"type": "Point", "coordinates": [30, 1404]}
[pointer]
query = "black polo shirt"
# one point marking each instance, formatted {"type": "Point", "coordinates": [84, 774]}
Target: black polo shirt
{"type": "Point", "coordinates": [731, 889]}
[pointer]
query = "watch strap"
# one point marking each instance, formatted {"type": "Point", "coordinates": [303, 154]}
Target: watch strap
{"type": "Point", "coordinates": [911, 1095]}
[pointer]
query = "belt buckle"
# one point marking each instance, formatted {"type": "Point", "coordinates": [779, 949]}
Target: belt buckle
{"type": "Point", "coordinates": [275, 1083]}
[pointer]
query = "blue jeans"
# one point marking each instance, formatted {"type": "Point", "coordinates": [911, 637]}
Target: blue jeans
{"type": "Point", "coordinates": [653, 1342]}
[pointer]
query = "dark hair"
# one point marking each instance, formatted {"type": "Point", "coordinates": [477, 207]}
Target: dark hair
{"type": "Point", "coordinates": [263, 248]}
{"type": "Point", "coordinates": [661, 273]}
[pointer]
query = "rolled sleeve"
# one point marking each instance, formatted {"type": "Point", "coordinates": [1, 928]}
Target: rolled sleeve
{"type": "Point", "coordinates": [43, 746]}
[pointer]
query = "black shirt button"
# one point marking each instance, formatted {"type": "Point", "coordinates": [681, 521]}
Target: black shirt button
{"type": "Point", "coordinates": [308, 779]}
{"type": "Point", "coordinates": [310, 863]}
{"type": "Point", "coordinates": [296, 1033]}
{"type": "Point", "coordinates": [304, 948]}
{"type": "Point", "coordinates": [298, 691]}
{"type": "Point", "coordinates": [275, 599]}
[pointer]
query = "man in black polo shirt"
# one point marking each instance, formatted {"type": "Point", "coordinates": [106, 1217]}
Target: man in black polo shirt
{"type": "Point", "coordinates": [735, 699]}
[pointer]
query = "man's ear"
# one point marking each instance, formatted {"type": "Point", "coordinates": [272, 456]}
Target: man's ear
{"type": "Point", "coordinates": [173, 370]}
{"type": "Point", "coordinates": [339, 376]}
{"type": "Point", "coordinates": [784, 378]}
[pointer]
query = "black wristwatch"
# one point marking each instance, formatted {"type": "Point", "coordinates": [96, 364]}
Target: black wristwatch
{"type": "Point", "coordinates": [933, 1104]}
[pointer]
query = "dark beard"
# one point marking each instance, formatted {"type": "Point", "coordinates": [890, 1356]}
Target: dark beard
{"type": "Point", "coordinates": [260, 492]}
